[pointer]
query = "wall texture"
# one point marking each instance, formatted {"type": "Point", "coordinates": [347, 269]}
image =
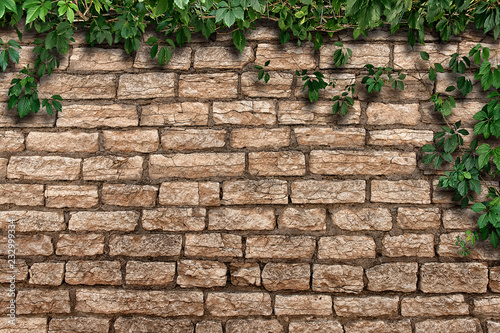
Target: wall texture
{"type": "Point", "coordinates": [193, 197]}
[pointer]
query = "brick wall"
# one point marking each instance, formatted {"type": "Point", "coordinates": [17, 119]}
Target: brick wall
{"type": "Point", "coordinates": [194, 198]}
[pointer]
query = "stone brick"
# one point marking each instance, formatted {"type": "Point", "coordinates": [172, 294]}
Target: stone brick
{"type": "Point", "coordinates": [327, 191]}
{"type": "Point", "coordinates": [32, 301]}
{"type": "Point", "coordinates": [418, 218]}
{"type": "Point", "coordinates": [407, 56]}
{"type": "Point", "coordinates": [43, 168]}
{"type": "Point", "coordinates": [149, 302]}
{"type": "Point", "coordinates": [79, 325]}
{"type": "Point", "coordinates": [341, 81]}
{"type": "Point", "coordinates": [415, 90]}
{"type": "Point", "coordinates": [47, 273]}
{"type": "Point", "coordinates": [286, 56]}
{"type": "Point", "coordinates": [393, 276]}
{"type": "Point", "coordinates": [379, 326]}
{"type": "Point", "coordinates": [144, 141]}
{"type": "Point", "coordinates": [97, 59]}
{"type": "Point", "coordinates": [260, 137]}
{"type": "Point", "coordinates": [19, 269]}
{"type": "Point", "coordinates": [77, 196]}
{"type": "Point", "coordinates": [319, 113]}
{"type": "Point", "coordinates": [93, 272]}
{"type": "Point", "coordinates": [401, 191]}
{"type": "Point", "coordinates": [346, 247]}
{"type": "Point", "coordinates": [129, 195]}
{"type": "Point", "coordinates": [280, 276]}
{"type": "Point", "coordinates": [150, 273]}
{"type": "Point", "coordinates": [370, 306]}
{"type": "Point", "coordinates": [11, 141]}
{"type": "Point", "coordinates": [354, 219]}
{"type": "Point", "coordinates": [480, 251]}
{"type": "Point", "coordinates": [495, 279]}
{"type": "Point", "coordinates": [174, 219]}
{"type": "Point", "coordinates": [493, 326]}
{"type": "Point", "coordinates": [146, 85]}
{"type": "Point", "coordinates": [408, 245]}
{"type": "Point", "coordinates": [245, 274]}
{"type": "Point", "coordinates": [392, 114]}
{"type": "Point", "coordinates": [220, 57]}
{"type": "Point", "coordinates": [463, 325]}
{"type": "Point", "coordinates": [337, 278]}
{"type": "Point", "coordinates": [177, 114]}
{"type": "Point", "coordinates": [181, 58]}
{"type": "Point", "coordinates": [5, 85]}
{"type": "Point", "coordinates": [443, 195]}
{"type": "Point", "coordinates": [333, 162]}
{"type": "Point", "coordinates": [203, 274]}
{"type": "Point", "coordinates": [157, 325]}
{"type": "Point", "coordinates": [433, 306]}
{"type": "Point", "coordinates": [103, 221]}
{"type": "Point", "coordinates": [465, 46]}
{"type": "Point", "coordinates": [223, 304]}
{"type": "Point", "coordinates": [299, 305]}
{"type": "Point", "coordinates": [3, 168]}
{"type": "Point", "coordinates": [80, 245]}
{"type": "Point", "coordinates": [9, 118]}
{"type": "Point", "coordinates": [252, 113]}
{"type": "Point", "coordinates": [94, 86]}
{"type": "Point", "coordinates": [286, 163]}
{"type": "Point", "coordinates": [488, 306]}
{"type": "Point", "coordinates": [330, 137]}
{"type": "Point", "coordinates": [112, 168]}
{"type": "Point", "coordinates": [263, 33]}
{"type": "Point", "coordinates": [92, 116]}
{"type": "Point", "coordinates": [189, 193]}
{"type": "Point", "coordinates": [307, 219]}
{"type": "Point", "coordinates": [150, 245]}
{"type": "Point", "coordinates": [23, 325]}
{"type": "Point", "coordinates": [280, 247]}
{"type": "Point", "coordinates": [453, 277]}
{"type": "Point", "coordinates": [366, 53]}
{"type": "Point", "coordinates": [209, 327]}
{"type": "Point", "coordinates": [196, 165]}
{"type": "Point", "coordinates": [398, 137]}
{"type": "Point", "coordinates": [460, 219]}
{"type": "Point", "coordinates": [21, 194]}
{"type": "Point", "coordinates": [28, 245]}
{"type": "Point", "coordinates": [315, 327]}
{"type": "Point", "coordinates": [259, 218]}
{"type": "Point", "coordinates": [209, 85]}
{"type": "Point", "coordinates": [279, 85]}
{"type": "Point", "coordinates": [253, 326]}
{"type": "Point", "coordinates": [27, 221]}
{"type": "Point", "coordinates": [213, 245]}
{"type": "Point", "coordinates": [190, 139]}
{"type": "Point", "coordinates": [245, 192]}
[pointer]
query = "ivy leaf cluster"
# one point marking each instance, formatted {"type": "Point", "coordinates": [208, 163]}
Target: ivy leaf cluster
{"type": "Point", "coordinates": [381, 76]}
{"type": "Point", "coordinates": [8, 51]}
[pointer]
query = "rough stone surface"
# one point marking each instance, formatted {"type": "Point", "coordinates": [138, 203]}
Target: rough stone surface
{"type": "Point", "coordinates": [26, 221]}
{"type": "Point", "coordinates": [409, 57]}
{"type": "Point", "coordinates": [19, 270]}
{"type": "Point", "coordinates": [245, 274]}
{"type": "Point", "coordinates": [146, 85]}
{"type": "Point", "coordinates": [80, 245]}
{"type": "Point", "coordinates": [244, 113]}
{"type": "Point", "coordinates": [102, 221]}
{"type": "Point", "coordinates": [315, 327]}
{"type": "Point", "coordinates": [241, 192]}
{"type": "Point", "coordinates": [280, 247]}
{"type": "Point", "coordinates": [433, 306]}
{"type": "Point", "coordinates": [213, 245]}
{"type": "Point", "coordinates": [398, 137]}
{"type": "Point", "coordinates": [419, 218]}
{"type": "Point", "coordinates": [486, 306]}
{"type": "Point", "coordinates": [93, 272]}
{"type": "Point", "coordinates": [96, 59]}
{"type": "Point", "coordinates": [465, 325]}
{"type": "Point", "coordinates": [28, 245]}
{"type": "Point", "coordinates": [144, 141]}
{"type": "Point", "coordinates": [95, 86]}
{"type": "Point", "coordinates": [181, 58]}
{"type": "Point", "coordinates": [401, 191]}
{"type": "Point", "coordinates": [379, 326]}
{"type": "Point", "coordinates": [319, 113]}
{"type": "Point", "coordinates": [453, 277]}
{"type": "Point", "coordinates": [337, 278]}
{"type": "Point", "coordinates": [241, 219]}
{"type": "Point", "coordinates": [43, 168]}
{"type": "Point", "coordinates": [260, 138]}
{"type": "Point", "coordinates": [177, 114]}
{"type": "Point", "coordinates": [47, 273]}
{"type": "Point", "coordinates": [11, 141]}
{"type": "Point", "coordinates": [279, 276]}
{"type": "Point", "coordinates": [287, 56]}
{"type": "Point", "coordinates": [159, 325]}
{"type": "Point", "coordinates": [189, 193]}
{"type": "Point", "coordinates": [253, 325]}
{"type": "Point", "coordinates": [460, 219]}
{"type": "Point", "coordinates": [151, 245]}
{"type": "Point", "coordinates": [325, 191]}
{"type": "Point", "coordinates": [371, 306]}
{"type": "Point", "coordinates": [279, 85]}
{"type": "Point", "coordinates": [326, 136]}
{"type": "Point", "coordinates": [495, 279]}
{"type": "Point", "coordinates": [24, 325]}
{"type": "Point", "coordinates": [79, 325]}
{"type": "Point", "coordinates": [21, 194]}
{"type": "Point", "coordinates": [174, 219]}
{"type": "Point", "coordinates": [209, 86]}
{"type": "Point", "coordinates": [363, 219]}
{"type": "Point", "coordinates": [93, 116]}
{"type": "Point", "coordinates": [209, 327]}
{"type": "Point", "coordinates": [224, 304]}
{"type": "Point", "coordinates": [31, 301]}
{"type": "Point", "coordinates": [298, 305]}
{"type": "Point", "coordinates": [222, 57]}
{"type": "Point", "coordinates": [408, 245]}
{"type": "Point", "coordinates": [393, 277]}
{"type": "Point", "coordinates": [112, 168]}
{"type": "Point", "coordinates": [75, 196]}
{"type": "Point", "coordinates": [481, 250]}
{"type": "Point", "coordinates": [203, 274]}
{"type": "Point", "coordinates": [392, 114]}
{"type": "Point", "coordinates": [375, 54]}
{"type": "Point", "coordinates": [289, 163]}
{"type": "Point", "coordinates": [149, 273]}
{"type": "Point", "coordinates": [306, 219]}
{"type": "Point", "coordinates": [129, 195]}
{"type": "Point", "coordinates": [192, 139]}
{"type": "Point", "coordinates": [346, 247]}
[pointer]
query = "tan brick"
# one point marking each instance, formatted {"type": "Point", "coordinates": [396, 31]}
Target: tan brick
{"type": "Point", "coordinates": [346, 247]}
{"type": "Point", "coordinates": [401, 191]}
{"type": "Point", "coordinates": [181, 58]}
{"type": "Point", "coordinates": [281, 276]}
{"type": "Point", "coordinates": [94, 86]}
{"type": "Point", "coordinates": [337, 278]}
{"type": "Point", "coordinates": [62, 142]}
{"type": "Point", "coordinates": [213, 245]}
{"type": "Point", "coordinates": [150, 245]}
{"type": "Point", "coordinates": [415, 90]}
{"type": "Point", "coordinates": [245, 274]}
{"type": "Point", "coordinates": [80, 245]}
{"type": "Point", "coordinates": [3, 168]}
{"type": "Point", "coordinates": [223, 304]}
{"type": "Point", "coordinates": [406, 56]}
{"type": "Point", "coordinates": [488, 306]}
{"type": "Point", "coordinates": [21, 194]}
{"type": "Point", "coordinates": [19, 269]}
{"type": "Point", "coordinates": [259, 218]}
{"type": "Point", "coordinates": [129, 195]}
{"type": "Point", "coordinates": [315, 327]}
{"type": "Point", "coordinates": [47, 273]}
{"type": "Point", "coordinates": [326, 136]}
{"type": "Point", "coordinates": [251, 113]}
{"type": "Point", "coordinates": [28, 57]}
{"type": "Point", "coordinates": [189, 193]}
{"type": "Point", "coordinates": [260, 137]}
{"type": "Point", "coordinates": [480, 251]}
{"type": "Point", "coordinates": [326, 191]}
{"type": "Point", "coordinates": [77, 196]}
{"type": "Point", "coordinates": [286, 56]}
{"type": "Point", "coordinates": [493, 326]}
{"type": "Point", "coordinates": [149, 302]}
{"type": "Point", "coordinates": [251, 325]}
{"type": "Point", "coordinates": [288, 163]}
{"type": "Point", "coordinates": [93, 272]}
{"type": "Point", "coordinates": [112, 168]}
{"type": "Point", "coordinates": [144, 141]}
{"type": "Point", "coordinates": [363, 219]}
{"type": "Point", "coordinates": [398, 137]}
{"type": "Point", "coordinates": [174, 219]}
{"type": "Point", "coordinates": [280, 247]}
{"type": "Point", "coordinates": [97, 59]}
{"type": "Point", "coordinates": [43, 168]}
{"type": "Point", "coordinates": [299, 305]}
{"type": "Point", "coordinates": [453, 277]}
{"type": "Point", "coordinates": [28, 245]}
{"type": "Point", "coordinates": [298, 218]}
{"type": "Point", "coordinates": [222, 57]}
{"type": "Point", "coordinates": [375, 54]}
{"type": "Point", "coordinates": [178, 114]}
{"type": "Point", "coordinates": [23, 325]}
{"type": "Point", "coordinates": [408, 245]}
{"type": "Point", "coordinates": [146, 85]}
{"type": "Point", "coordinates": [393, 277]}
{"type": "Point", "coordinates": [27, 221]}
{"type": "Point", "coordinates": [461, 219]}
{"type": "Point", "coordinates": [418, 218]}
{"type": "Point", "coordinates": [371, 306]}
{"type": "Point", "coordinates": [79, 325]}
{"type": "Point", "coordinates": [199, 273]}
{"type": "Point", "coordinates": [196, 165]}
{"type": "Point", "coordinates": [392, 114]}
{"type": "Point", "coordinates": [433, 306]}
{"type": "Point", "coordinates": [92, 116]}
{"type": "Point", "coordinates": [10, 118]}
{"type": "Point", "coordinates": [157, 325]}
{"type": "Point", "coordinates": [11, 141]}
{"type": "Point", "coordinates": [190, 139]}
{"type": "Point", "coordinates": [262, 33]}
{"type": "Point", "coordinates": [279, 85]}
{"type": "Point", "coordinates": [32, 301]}
{"type": "Point", "coordinates": [103, 221]}
{"type": "Point", "coordinates": [463, 325]}
{"type": "Point", "coordinates": [209, 85]}
{"type": "Point", "coordinates": [379, 326]}
{"type": "Point", "coordinates": [319, 113]}
{"type": "Point", "coordinates": [150, 273]}
{"type": "Point", "coordinates": [245, 192]}
{"type": "Point", "coordinates": [495, 279]}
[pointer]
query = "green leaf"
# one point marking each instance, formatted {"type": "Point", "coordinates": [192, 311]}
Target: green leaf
{"type": "Point", "coordinates": [181, 3]}
{"type": "Point", "coordinates": [428, 148]}
{"type": "Point", "coordinates": [318, 40]}
{"type": "Point", "coordinates": [32, 14]}
{"type": "Point", "coordinates": [14, 55]}
{"type": "Point", "coordinates": [424, 55]}
{"type": "Point", "coordinates": [483, 149]}
{"type": "Point", "coordinates": [439, 68]}
{"type": "Point", "coordinates": [477, 207]}
{"type": "Point", "coordinates": [10, 4]}
{"type": "Point", "coordinates": [428, 158]}
{"type": "Point", "coordinates": [23, 108]}
{"type": "Point", "coordinates": [239, 40]}
{"type": "Point", "coordinates": [483, 160]}
{"type": "Point", "coordinates": [486, 53]}
{"type": "Point", "coordinates": [494, 238]}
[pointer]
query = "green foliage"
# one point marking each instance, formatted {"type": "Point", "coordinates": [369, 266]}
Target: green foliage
{"type": "Point", "coordinates": [263, 74]}
{"type": "Point", "coordinates": [470, 240]}
{"type": "Point", "coordinates": [8, 51]}
{"type": "Point", "coordinates": [381, 76]}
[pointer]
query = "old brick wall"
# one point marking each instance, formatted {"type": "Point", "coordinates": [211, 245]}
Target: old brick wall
{"type": "Point", "coordinates": [194, 198]}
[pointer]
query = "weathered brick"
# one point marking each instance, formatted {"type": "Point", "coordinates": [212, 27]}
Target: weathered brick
{"type": "Point", "coordinates": [150, 273]}
{"type": "Point", "coordinates": [77, 196]}
{"type": "Point", "coordinates": [189, 193]}
{"type": "Point", "coordinates": [337, 278]}
{"type": "Point", "coordinates": [222, 57]}
{"type": "Point", "coordinates": [279, 85]}
{"type": "Point", "coordinates": [371, 306]}
{"type": "Point", "coordinates": [144, 141]}
{"type": "Point", "coordinates": [280, 247]}
{"type": "Point", "coordinates": [281, 276]}
{"type": "Point", "coordinates": [460, 219]}
{"type": "Point", "coordinates": [259, 218]}
{"type": "Point", "coordinates": [93, 272]}
{"type": "Point", "coordinates": [252, 325]}
{"type": "Point", "coordinates": [433, 306]}
{"type": "Point", "coordinates": [244, 192]}
{"type": "Point", "coordinates": [379, 326]}
{"type": "Point", "coordinates": [312, 219]}
{"type": "Point", "coordinates": [150, 245]}
{"type": "Point", "coordinates": [299, 305]}
{"type": "Point", "coordinates": [150, 302]}
{"type": "Point", "coordinates": [199, 273]}
{"type": "Point", "coordinates": [5, 85]}
{"type": "Point", "coordinates": [262, 33]}
{"type": "Point", "coordinates": [10, 118]}
{"type": "Point", "coordinates": [493, 326]}
{"type": "Point", "coordinates": [418, 218]}
{"type": "Point", "coordinates": [260, 137]}
{"type": "Point", "coordinates": [480, 251]}
{"type": "Point", "coordinates": [3, 168]}
{"type": "Point", "coordinates": [190, 139]}
{"type": "Point", "coordinates": [129, 195]}
{"type": "Point", "coordinates": [11, 141]}
{"type": "Point", "coordinates": [330, 137]}
{"type": "Point", "coordinates": [462, 325]}
{"type": "Point", "coordinates": [21, 194]}
{"type": "Point", "coordinates": [401, 191]}
{"type": "Point", "coordinates": [252, 113]}
{"type": "Point", "coordinates": [112, 168]}
{"type": "Point", "coordinates": [495, 279]}
{"type": "Point", "coordinates": [453, 277]}
{"type": "Point", "coordinates": [393, 276]}
{"type": "Point", "coordinates": [43, 168]}
{"type": "Point", "coordinates": [28, 245]}
{"type": "Point", "coordinates": [19, 269]}
{"type": "Point", "coordinates": [103, 221]}
{"type": "Point", "coordinates": [196, 165]}
{"type": "Point", "coordinates": [341, 81]}
{"type": "Point", "coordinates": [366, 53]}
{"type": "Point", "coordinates": [92, 116]}
{"type": "Point", "coordinates": [177, 114]}
{"type": "Point", "coordinates": [32, 301]}
{"type": "Point", "coordinates": [315, 327]}
{"type": "Point", "coordinates": [23, 325]}
{"type": "Point", "coordinates": [209, 85]}
{"type": "Point", "coordinates": [97, 59]}
{"type": "Point", "coordinates": [346, 247]}
{"type": "Point", "coordinates": [286, 56]}
{"type": "Point", "coordinates": [319, 113]}
{"type": "Point", "coordinates": [157, 325]}
{"type": "Point", "coordinates": [407, 56]}
{"type": "Point", "coordinates": [327, 191]}
{"type": "Point", "coordinates": [79, 325]}
{"type": "Point", "coordinates": [392, 114]}
{"type": "Point", "coordinates": [95, 86]}
{"type": "Point", "coordinates": [398, 137]}
{"type": "Point", "coordinates": [26, 221]}
{"type": "Point", "coordinates": [80, 245]}
{"type": "Point", "coordinates": [213, 245]}
{"type": "Point", "coordinates": [287, 163]}
{"type": "Point", "coordinates": [146, 85]}
{"type": "Point", "coordinates": [408, 245]}
{"type": "Point", "coordinates": [47, 273]}
{"type": "Point", "coordinates": [181, 58]}
{"type": "Point", "coordinates": [223, 304]}
{"type": "Point", "coordinates": [174, 219]}
{"type": "Point", "coordinates": [353, 219]}
{"type": "Point", "coordinates": [245, 274]}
